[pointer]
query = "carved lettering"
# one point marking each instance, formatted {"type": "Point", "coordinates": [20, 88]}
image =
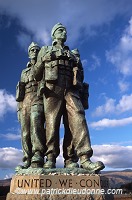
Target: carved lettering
{"type": "Point", "coordinates": [67, 182]}
{"type": "Point", "coordinates": [19, 183]}
{"type": "Point", "coordinates": [48, 183]}
{"type": "Point", "coordinates": [31, 183]}
{"type": "Point", "coordinates": [36, 182]}
{"type": "Point", "coordinates": [63, 182]}
{"type": "Point", "coordinates": [26, 183]}
{"type": "Point", "coordinates": [89, 183]}
{"type": "Point", "coordinates": [96, 183]}
{"type": "Point", "coordinates": [82, 183]}
{"type": "Point", "coordinates": [70, 183]}
{"type": "Point", "coordinates": [41, 182]}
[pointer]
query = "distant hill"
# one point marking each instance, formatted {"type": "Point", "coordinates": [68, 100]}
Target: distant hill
{"type": "Point", "coordinates": [118, 178]}
{"type": "Point", "coordinates": [5, 182]}
{"type": "Point", "coordinates": [127, 170]}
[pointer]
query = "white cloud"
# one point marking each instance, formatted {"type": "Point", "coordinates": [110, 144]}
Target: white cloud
{"type": "Point", "coordinates": [113, 156]}
{"type": "Point", "coordinates": [125, 104]}
{"type": "Point", "coordinates": [124, 86]}
{"type": "Point", "coordinates": [10, 157]}
{"type": "Point", "coordinates": [39, 16]}
{"type": "Point", "coordinates": [7, 103]}
{"type": "Point", "coordinates": [105, 123]}
{"type": "Point", "coordinates": [110, 106]}
{"type": "Point", "coordinates": [120, 56]}
{"type": "Point", "coordinates": [24, 40]}
{"type": "Point", "coordinates": [11, 136]}
{"type": "Point", "coordinates": [95, 62]}
{"type": "Point", "coordinates": [84, 62]}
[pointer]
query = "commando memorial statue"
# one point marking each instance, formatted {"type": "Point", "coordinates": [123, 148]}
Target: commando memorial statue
{"type": "Point", "coordinates": [52, 91]}
{"type": "Point", "coordinates": [60, 74]}
{"type": "Point", "coordinates": [52, 87]}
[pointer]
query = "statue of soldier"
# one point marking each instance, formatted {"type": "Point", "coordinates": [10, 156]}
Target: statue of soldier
{"type": "Point", "coordinates": [57, 63]}
{"type": "Point", "coordinates": [69, 153]}
{"type": "Point", "coordinates": [31, 113]}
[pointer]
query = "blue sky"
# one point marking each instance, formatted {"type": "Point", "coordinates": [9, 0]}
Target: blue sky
{"type": "Point", "coordinates": [102, 31]}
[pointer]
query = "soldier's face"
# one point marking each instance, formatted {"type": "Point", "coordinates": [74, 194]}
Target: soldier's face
{"type": "Point", "coordinates": [33, 52]}
{"type": "Point", "coordinates": [60, 34]}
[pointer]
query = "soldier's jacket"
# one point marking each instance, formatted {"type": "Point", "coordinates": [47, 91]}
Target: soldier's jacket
{"type": "Point", "coordinates": [27, 86]}
{"type": "Point", "coordinates": [56, 62]}
{"type": "Point", "coordinates": [59, 67]}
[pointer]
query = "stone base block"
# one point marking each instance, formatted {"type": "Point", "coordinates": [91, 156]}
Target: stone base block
{"type": "Point", "coordinates": [57, 187]}
{"type": "Point", "coordinates": [56, 197]}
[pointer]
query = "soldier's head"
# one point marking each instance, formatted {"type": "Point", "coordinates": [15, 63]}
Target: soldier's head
{"type": "Point", "coordinates": [33, 50]}
{"type": "Point", "coordinates": [59, 32]}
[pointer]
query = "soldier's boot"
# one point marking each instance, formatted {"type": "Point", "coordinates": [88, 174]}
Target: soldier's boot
{"type": "Point", "coordinates": [50, 163]}
{"type": "Point", "coordinates": [92, 167]}
{"type": "Point", "coordinates": [37, 160]}
{"type": "Point", "coordinates": [26, 165]}
{"type": "Point", "coordinates": [70, 164]}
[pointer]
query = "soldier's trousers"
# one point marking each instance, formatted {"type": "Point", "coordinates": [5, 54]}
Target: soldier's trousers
{"type": "Point", "coordinates": [32, 127]}
{"type": "Point", "coordinates": [69, 152]}
{"type": "Point", "coordinates": [54, 108]}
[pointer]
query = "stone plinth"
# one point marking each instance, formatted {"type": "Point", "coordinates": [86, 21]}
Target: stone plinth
{"type": "Point", "coordinates": [58, 186]}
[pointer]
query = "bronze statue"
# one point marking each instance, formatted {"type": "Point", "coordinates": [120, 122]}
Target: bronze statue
{"type": "Point", "coordinates": [69, 153]}
{"type": "Point", "coordinates": [57, 69]}
{"type": "Point", "coordinates": [31, 113]}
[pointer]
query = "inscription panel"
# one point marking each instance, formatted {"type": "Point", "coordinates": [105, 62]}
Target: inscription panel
{"type": "Point", "coordinates": [58, 181]}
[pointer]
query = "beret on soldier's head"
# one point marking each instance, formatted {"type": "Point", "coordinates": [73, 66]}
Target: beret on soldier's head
{"type": "Point", "coordinates": [33, 44]}
{"type": "Point", "coordinates": [55, 27]}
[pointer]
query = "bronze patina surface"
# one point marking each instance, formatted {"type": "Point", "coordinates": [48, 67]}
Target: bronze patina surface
{"type": "Point", "coordinates": [52, 87]}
